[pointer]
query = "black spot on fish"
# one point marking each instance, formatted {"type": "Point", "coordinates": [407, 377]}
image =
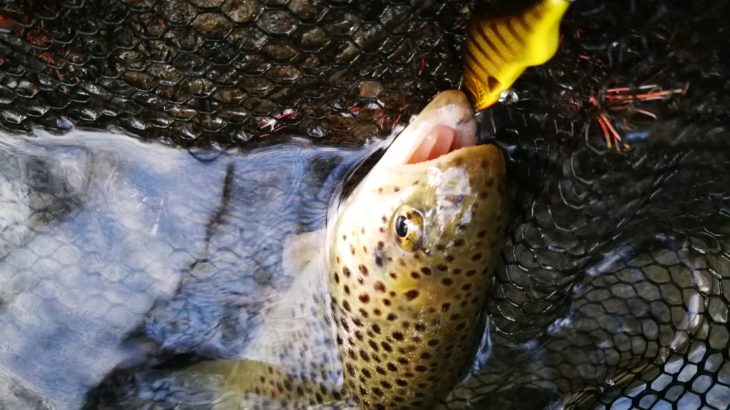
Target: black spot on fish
{"type": "Point", "coordinates": [378, 261]}
{"type": "Point", "coordinates": [411, 294]}
{"type": "Point", "coordinates": [380, 286]}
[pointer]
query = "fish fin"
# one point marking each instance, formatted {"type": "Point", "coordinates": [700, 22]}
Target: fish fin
{"type": "Point", "coordinates": [256, 384]}
{"type": "Point", "coordinates": [294, 346]}
{"type": "Point", "coordinates": [294, 331]}
{"type": "Point", "coordinates": [291, 360]}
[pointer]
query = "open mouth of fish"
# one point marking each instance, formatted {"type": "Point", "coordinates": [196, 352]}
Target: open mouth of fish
{"type": "Point", "coordinates": [444, 127]}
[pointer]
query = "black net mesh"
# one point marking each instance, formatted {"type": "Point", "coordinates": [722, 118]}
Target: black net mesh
{"type": "Point", "coordinates": [616, 285]}
{"type": "Point", "coordinates": [215, 72]}
{"type": "Point", "coordinates": [615, 290]}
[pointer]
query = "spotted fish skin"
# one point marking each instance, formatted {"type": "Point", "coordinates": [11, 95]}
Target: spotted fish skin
{"type": "Point", "coordinates": [409, 308]}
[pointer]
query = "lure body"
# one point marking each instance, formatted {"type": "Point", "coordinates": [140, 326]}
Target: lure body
{"type": "Point", "coordinates": [499, 49]}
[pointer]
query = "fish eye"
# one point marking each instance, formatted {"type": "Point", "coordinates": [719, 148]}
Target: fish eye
{"type": "Point", "coordinates": [408, 228]}
{"type": "Point", "coordinates": [401, 227]}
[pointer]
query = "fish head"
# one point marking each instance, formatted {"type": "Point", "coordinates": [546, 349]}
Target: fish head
{"type": "Point", "coordinates": [411, 256]}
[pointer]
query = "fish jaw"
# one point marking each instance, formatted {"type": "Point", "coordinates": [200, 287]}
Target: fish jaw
{"type": "Point", "coordinates": [409, 310]}
{"type": "Point", "coordinates": [445, 124]}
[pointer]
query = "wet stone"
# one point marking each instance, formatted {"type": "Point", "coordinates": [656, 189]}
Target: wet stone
{"type": "Point", "coordinates": [314, 39]}
{"type": "Point", "coordinates": [723, 375]}
{"type": "Point", "coordinates": [689, 401]}
{"type": "Point", "coordinates": [718, 396]}
{"type": "Point", "coordinates": [718, 336]}
{"type": "Point", "coordinates": [212, 25]}
{"type": "Point", "coordinates": [279, 22]}
{"type": "Point", "coordinates": [178, 11]}
{"type": "Point", "coordinates": [307, 10]}
{"type": "Point", "coordinates": [281, 51]}
{"type": "Point", "coordinates": [242, 11]}
{"type": "Point", "coordinates": [207, 3]}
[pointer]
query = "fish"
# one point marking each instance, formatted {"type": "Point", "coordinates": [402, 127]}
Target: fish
{"type": "Point", "coordinates": [385, 308]}
{"type": "Point", "coordinates": [412, 251]}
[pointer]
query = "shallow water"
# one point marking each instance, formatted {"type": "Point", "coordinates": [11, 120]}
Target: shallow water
{"type": "Point", "coordinates": [123, 262]}
{"type": "Point", "coordinates": [114, 251]}
{"type": "Point", "coordinates": [615, 287]}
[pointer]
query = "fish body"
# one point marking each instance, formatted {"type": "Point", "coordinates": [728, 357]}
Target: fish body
{"type": "Point", "coordinates": [412, 251]}
{"type": "Point", "coordinates": [382, 307]}
{"type": "Point", "coordinates": [387, 304]}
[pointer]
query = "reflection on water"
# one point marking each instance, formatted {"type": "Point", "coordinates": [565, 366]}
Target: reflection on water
{"type": "Point", "coordinates": [121, 262]}
{"type": "Point", "coordinates": [104, 238]}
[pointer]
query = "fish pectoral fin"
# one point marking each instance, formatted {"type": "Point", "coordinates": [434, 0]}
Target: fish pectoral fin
{"type": "Point", "coordinates": [303, 253]}
{"type": "Point", "coordinates": [245, 383]}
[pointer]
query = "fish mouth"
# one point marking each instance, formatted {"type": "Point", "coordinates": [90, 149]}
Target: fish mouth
{"type": "Point", "coordinates": [439, 141]}
{"type": "Point", "coordinates": [452, 127]}
{"type": "Point", "coordinates": [446, 125]}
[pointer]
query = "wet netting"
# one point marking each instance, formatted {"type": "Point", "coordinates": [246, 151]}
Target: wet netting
{"type": "Point", "coordinates": [197, 73]}
{"type": "Point", "coordinates": [616, 280]}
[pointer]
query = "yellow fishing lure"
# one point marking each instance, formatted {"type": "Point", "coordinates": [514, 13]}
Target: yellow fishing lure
{"type": "Point", "coordinates": [499, 49]}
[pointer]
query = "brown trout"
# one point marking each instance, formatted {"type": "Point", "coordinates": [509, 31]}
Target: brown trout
{"type": "Point", "coordinates": [385, 306]}
{"type": "Point", "coordinates": [411, 253]}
